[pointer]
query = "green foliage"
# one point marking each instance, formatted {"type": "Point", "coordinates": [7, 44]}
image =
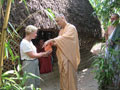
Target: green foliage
{"type": "Point", "coordinates": [106, 69]}
{"type": "Point", "coordinates": [50, 14]}
{"type": "Point", "coordinates": [2, 2]}
{"type": "Point", "coordinates": [13, 31]}
{"type": "Point", "coordinates": [26, 6]}
{"type": "Point", "coordinates": [104, 8]}
{"type": "Point", "coordinates": [8, 50]}
{"type": "Point", "coordinates": [14, 80]}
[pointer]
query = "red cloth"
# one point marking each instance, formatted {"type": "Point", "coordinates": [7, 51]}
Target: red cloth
{"type": "Point", "coordinates": [45, 63]}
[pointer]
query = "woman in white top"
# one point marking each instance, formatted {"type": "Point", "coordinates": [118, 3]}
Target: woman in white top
{"type": "Point", "coordinates": [29, 55]}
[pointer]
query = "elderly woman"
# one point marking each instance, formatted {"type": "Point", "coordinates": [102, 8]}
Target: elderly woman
{"type": "Point", "coordinates": [29, 55]}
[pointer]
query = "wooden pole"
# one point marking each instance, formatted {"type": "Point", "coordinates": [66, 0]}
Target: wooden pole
{"type": "Point", "coordinates": [0, 9]}
{"type": "Point", "coordinates": [3, 36]}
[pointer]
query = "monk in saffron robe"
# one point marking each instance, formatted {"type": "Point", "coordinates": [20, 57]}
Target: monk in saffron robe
{"type": "Point", "coordinates": [68, 54]}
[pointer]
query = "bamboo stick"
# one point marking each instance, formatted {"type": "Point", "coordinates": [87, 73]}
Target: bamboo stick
{"type": "Point", "coordinates": [3, 36]}
{"type": "Point", "coordinates": [0, 9]}
{"type": "Point", "coordinates": [0, 18]}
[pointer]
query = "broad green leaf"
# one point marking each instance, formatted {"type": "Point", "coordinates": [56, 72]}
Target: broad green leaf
{"type": "Point", "coordinates": [17, 73]}
{"type": "Point", "coordinates": [8, 73]}
{"type": "Point", "coordinates": [10, 51]}
{"type": "Point", "coordinates": [50, 14]}
{"type": "Point", "coordinates": [13, 29]}
{"type": "Point", "coordinates": [19, 67]}
{"type": "Point", "coordinates": [50, 11]}
{"type": "Point", "coordinates": [9, 31]}
{"type": "Point", "coordinates": [35, 76]}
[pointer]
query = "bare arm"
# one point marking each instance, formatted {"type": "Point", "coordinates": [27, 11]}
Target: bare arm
{"type": "Point", "coordinates": [37, 55]}
{"type": "Point", "coordinates": [52, 41]}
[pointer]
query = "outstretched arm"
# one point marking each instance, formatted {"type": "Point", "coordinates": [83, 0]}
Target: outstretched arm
{"type": "Point", "coordinates": [37, 55]}
{"type": "Point", "coordinates": [51, 41]}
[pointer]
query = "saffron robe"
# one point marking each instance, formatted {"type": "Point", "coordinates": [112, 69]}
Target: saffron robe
{"type": "Point", "coordinates": [68, 56]}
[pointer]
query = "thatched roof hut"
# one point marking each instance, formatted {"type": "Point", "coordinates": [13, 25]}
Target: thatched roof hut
{"type": "Point", "coordinates": [77, 12]}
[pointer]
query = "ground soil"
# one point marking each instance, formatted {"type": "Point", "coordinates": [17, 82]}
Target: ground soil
{"type": "Point", "coordinates": [85, 79]}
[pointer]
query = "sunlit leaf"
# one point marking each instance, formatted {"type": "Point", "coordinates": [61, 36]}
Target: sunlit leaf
{"type": "Point", "coordinates": [2, 1]}
{"type": "Point", "coordinates": [13, 29]}
{"type": "Point", "coordinates": [50, 11]}
{"type": "Point", "coordinates": [10, 51]}
{"type": "Point", "coordinates": [8, 72]}
{"type": "Point", "coordinates": [35, 76]}
{"type": "Point", "coordinates": [13, 1]}
{"type": "Point", "coordinates": [9, 31]}
{"type": "Point", "coordinates": [6, 50]}
{"type": "Point", "coordinates": [26, 6]}
{"type": "Point", "coordinates": [19, 67]}
{"type": "Point", "coordinates": [50, 14]}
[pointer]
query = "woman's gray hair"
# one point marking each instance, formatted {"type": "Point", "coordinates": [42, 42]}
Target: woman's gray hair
{"type": "Point", "coordinates": [30, 28]}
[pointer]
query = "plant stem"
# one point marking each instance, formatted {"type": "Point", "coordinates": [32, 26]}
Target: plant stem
{"type": "Point", "coordinates": [3, 37]}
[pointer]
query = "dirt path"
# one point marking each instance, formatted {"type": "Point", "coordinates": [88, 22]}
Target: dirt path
{"type": "Point", "coordinates": [85, 81]}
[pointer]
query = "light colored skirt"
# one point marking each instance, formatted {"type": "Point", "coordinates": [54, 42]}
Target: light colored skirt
{"type": "Point", "coordinates": [31, 66]}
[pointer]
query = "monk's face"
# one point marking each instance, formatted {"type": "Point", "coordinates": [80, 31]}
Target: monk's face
{"type": "Point", "coordinates": [60, 21]}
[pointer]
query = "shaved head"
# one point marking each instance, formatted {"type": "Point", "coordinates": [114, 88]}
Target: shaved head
{"type": "Point", "coordinates": [60, 20]}
{"type": "Point", "coordinates": [59, 16]}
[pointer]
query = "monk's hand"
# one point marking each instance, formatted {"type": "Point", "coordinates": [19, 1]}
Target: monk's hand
{"type": "Point", "coordinates": [47, 42]}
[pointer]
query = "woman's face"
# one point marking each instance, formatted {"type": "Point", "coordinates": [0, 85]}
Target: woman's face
{"type": "Point", "coordinates": [33, 35]}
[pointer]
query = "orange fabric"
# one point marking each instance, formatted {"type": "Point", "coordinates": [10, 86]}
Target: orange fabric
{"type": "Point", "coordinates": [48, 47]}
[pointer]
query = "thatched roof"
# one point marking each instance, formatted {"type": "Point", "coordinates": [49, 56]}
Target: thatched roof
{"type": "Point", "coordinates": [77, 12]}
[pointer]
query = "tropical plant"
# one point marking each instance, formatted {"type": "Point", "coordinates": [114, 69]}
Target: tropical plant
{"type": "Point", "coordinates": [14, 80]}
{"type": "Point", "coordinates": [3, 36]}
{"type": "Point", "coordinates": [107, 70]}
{"type": "Point", "coordinates": [104, 8]}
{"type": "Point", "coordinates": [7, 35]}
